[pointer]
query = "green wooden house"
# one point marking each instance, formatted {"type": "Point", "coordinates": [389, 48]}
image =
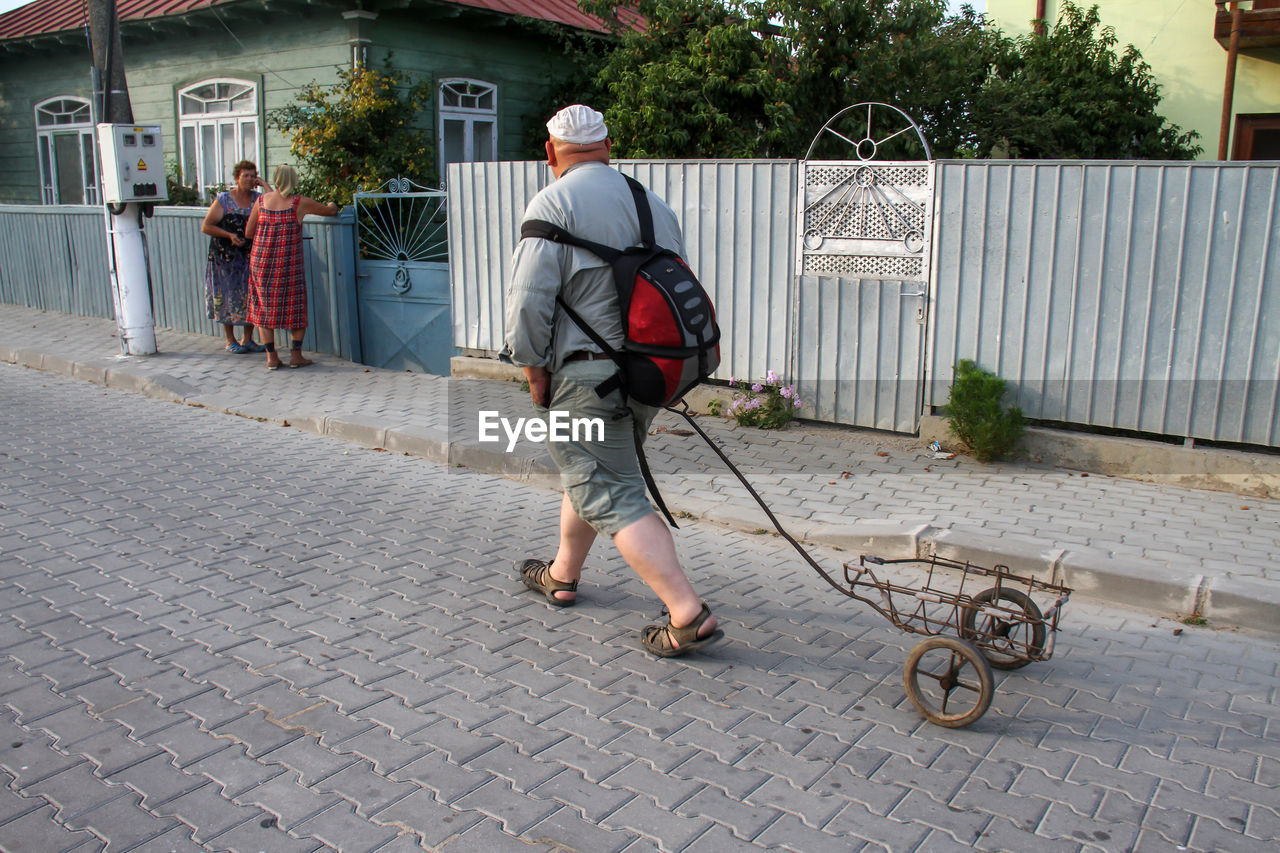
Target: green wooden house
{"type": "Point", "coordinates": [209, 73]}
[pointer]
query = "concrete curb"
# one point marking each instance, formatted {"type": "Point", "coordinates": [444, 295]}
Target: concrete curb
{"type": "Point", "coordinates": [1139, 583]}
{"type": "Point", "coordinates": [1246, 602]}
{"type": "Point", "coordinates": [1143, 584]}
{"type": "Point", "coordinates": [427, 444]}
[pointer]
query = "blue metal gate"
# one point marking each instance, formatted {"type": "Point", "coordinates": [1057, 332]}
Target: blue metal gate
{"type": "Point", "coordinates": [402, 270]}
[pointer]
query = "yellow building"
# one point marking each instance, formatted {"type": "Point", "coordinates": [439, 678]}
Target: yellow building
{"type": "Point", "coordinates": [1188, 46]}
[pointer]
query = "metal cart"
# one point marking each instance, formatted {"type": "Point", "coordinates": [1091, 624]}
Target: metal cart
{"type": "Point", "coordinates": [992, 614]}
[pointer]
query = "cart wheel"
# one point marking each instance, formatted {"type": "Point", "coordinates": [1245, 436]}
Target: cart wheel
{"type": "Point", "coordinates": [949, 681]}
{"type": "Point", "coordinates": [1007, 643]}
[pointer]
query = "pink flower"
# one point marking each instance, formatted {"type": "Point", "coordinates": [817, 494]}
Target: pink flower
{"type": "Point", "coordinates": [796, 402]}
{"type": "Point", "coordinates": [787, 391]}
{"type": "Point", "coordinates": [771, 378]}
{"type": "Point", "coordinates": [757, 387]}
{"type": "Point", "coordinates": [733, 382]}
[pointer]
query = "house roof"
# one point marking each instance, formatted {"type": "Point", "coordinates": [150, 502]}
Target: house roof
{"type": "Point", "coordinates": [47, 17]}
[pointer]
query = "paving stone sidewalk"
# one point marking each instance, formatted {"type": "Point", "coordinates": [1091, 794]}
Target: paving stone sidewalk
{"type": "Point", "coordinates": [1166, 548]}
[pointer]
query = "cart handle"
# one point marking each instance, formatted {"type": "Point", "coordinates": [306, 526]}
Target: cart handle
{"type": "Point", "coordinates": [683, 412]}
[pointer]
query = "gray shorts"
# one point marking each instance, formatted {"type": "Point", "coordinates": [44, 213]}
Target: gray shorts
{"type": "Point", "coordinates": [601, 478]}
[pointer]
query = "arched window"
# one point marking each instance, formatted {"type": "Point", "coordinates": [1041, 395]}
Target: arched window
{"type": "Point", "coordinates": [217, 127]}
{"type": "Point", "coordinates": [468, 111]}
{"type": "Point", "coordinates": [64, 143]}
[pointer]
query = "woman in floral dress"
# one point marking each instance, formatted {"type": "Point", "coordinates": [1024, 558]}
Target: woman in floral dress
{"type": "Point", "coordinates": [226, 275]}
{"type": "Point", "coordinates": [277, 286]}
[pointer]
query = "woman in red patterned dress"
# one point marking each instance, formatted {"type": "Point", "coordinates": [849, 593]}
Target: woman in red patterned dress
{"type": "Point", "coordinates": [277, 285]}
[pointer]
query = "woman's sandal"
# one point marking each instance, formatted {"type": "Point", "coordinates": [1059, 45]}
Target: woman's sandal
{"type": "Point", "coordinates": [662, 640]}
{"type": "Point", "coordinates": [536, 575]}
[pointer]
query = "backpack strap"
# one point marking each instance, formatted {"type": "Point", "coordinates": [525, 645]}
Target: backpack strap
{"type": "Point", "coordinates": [556, 234]}
{"type": "Point", "coordinates": [613, 382]}
{"type": "Point", "coordinates": [643, 212]}
{"type": "Point", "coordinates": [650, 484]}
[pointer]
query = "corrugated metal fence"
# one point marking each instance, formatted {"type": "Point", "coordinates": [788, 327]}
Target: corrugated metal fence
{"type": "Point", "coordinates": [853, 346]}
{"type": "Point", "coordinates": [55, 258]}
{"type": "Point", "coordinates": [1139, 296]}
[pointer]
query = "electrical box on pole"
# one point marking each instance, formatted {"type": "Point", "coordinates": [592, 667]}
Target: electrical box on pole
{"type": "Point", "coordinates": [133, 178]}
{"type": "Point", "coordinates": [132, 160]}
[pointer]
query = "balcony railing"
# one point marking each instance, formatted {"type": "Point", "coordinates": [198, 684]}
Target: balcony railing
{"type": "Point", "coordinates": [1259, 23]}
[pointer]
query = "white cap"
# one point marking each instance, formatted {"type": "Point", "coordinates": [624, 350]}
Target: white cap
{"type": "Point", "coordinates": [578, 124]}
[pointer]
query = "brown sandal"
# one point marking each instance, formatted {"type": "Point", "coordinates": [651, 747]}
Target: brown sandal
{"type": "Point", "coordinates": [536, 575]}
{"type": "Point", "coordinates": [662, 640]}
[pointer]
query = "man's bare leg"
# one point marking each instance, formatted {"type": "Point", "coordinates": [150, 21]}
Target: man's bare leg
{"type": "Point", "coordinates": [648, 548]}
{"type": "Point", "coordinates": [576, 538]}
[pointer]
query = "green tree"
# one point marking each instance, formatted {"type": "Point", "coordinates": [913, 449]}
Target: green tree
{"type": "Point", "coordinates": [698, 81]}
{"type": "Point", "coordinates": [1069, 93]}
{"type": "Point", "coordinates": [738, 78]}
{"type": "Point", "coordinates": [906, 53]}
{"type": "Point", "coordinates": [358, 132]}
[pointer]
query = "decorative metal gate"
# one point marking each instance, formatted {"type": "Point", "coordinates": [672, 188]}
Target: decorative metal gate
{"type": "Point", "coordinates": [862, 250]}
{"type": "Point", "coordinates": [402, 266]}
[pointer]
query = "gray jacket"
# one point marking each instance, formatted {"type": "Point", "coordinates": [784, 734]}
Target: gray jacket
{"type": "Point", "coordinates": [590, 200]}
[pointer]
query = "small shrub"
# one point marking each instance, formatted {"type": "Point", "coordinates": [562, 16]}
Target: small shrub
{"type": "Point", "coordinates": [976, 416]}
{"type": "Point", "coordinates": [179, 192]}
{"type": "Point", "coordinates": [765, 405]}
{"type": "Point", "coordinates": [715, 407]}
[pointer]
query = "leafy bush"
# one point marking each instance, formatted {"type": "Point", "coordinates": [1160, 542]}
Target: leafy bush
{"type": "Point", "coordinates": [766, 405]}
{"type": "Point", "coordinates": [976, 416]}
{"type": "Point", "coordinates": [360, 131]}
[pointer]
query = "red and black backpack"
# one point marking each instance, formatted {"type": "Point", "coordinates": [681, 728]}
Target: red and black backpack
{"type": "Point", "coordinates": [670, 338]}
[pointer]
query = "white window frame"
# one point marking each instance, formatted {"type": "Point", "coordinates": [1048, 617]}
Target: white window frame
{"type": "Point", "coordinates": [198, 127]}
{"type": "Point", "coordinates": [472, 110]}
{"type": "Point", "coordinates": [78, 122]}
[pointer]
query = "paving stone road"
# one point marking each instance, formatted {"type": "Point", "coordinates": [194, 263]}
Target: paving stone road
{"type": "Point", "coordinates": [219, 634]}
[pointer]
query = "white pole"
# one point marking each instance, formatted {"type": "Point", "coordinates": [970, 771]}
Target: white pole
{"type": "Point", "coordinates": [130, 289]}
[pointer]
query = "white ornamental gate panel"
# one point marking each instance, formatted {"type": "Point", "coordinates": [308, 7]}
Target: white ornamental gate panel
{"type": "Point", "coordinates": [863, 238]}
{"type": "Point", "coordinates": [865, 220]}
